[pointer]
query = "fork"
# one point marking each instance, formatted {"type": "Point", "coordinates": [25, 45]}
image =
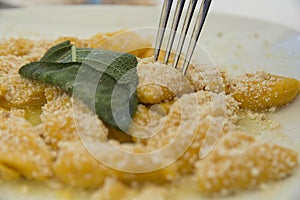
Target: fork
{"type": "Point", "coordinates": [165, 14]}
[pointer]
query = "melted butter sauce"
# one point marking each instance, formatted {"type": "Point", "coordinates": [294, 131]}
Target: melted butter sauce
{"type": "Point", "coordinates": [32, 115]}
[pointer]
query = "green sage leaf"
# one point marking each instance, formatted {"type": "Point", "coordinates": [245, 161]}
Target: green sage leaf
{"type": "Point", "coordinates": [105, 81]}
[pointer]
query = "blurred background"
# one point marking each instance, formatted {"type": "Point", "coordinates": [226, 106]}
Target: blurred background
{"type": "Point", "coordinates": [286, 12]}
{"type": "Point", "coordinates": [21, 3]}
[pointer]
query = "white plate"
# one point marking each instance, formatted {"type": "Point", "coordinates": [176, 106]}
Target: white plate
{"type": "Point", "coordinates": [230, 41]}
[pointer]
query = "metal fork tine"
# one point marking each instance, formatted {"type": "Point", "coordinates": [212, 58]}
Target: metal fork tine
{"type": "Point", "coordinates": [185, 29]}
{"type": "Point", "coordinates": [196, 32]}
{"type": "Point", "coordinates": [186, 24]}
{"type": "Point", "coordinates": [162, 27]}
{"type": "Point", "coordinates": [178, 12]}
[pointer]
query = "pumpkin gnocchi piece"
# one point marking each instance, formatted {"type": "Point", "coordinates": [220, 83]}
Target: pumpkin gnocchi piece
{"type": "Point", "coordinates": [120, 41]}
{"type": "Point", "coordinates": [262, 91]}
{"type": "Point", "coordinates": [22, 150]}
{"type": "Point", "coordinates": [10, 64]}
{"type": "Point", "coordinates": [145, 121]}
{"type": "Point", "coordinates": [64, 118]}
{"type": "Point", "coordinates": [74, 40]}
{"type": "Point", "coordinates": [23, 49]}
{"type": "Point", "coordinates": [57, 123]}
{"type": "Point", "coordinates": [76, 167]}
{"type": "Point", "coordinates": [16, 91]}
{"type": "Point", "coordinates": [208, 78]}
{"type": "Point", "coordinates": [241, 162]}
{"type": "Point", "coordinates": [194, 119]}
{"type": "Point", "coordinates": [158, 82]}
{"type": "Point", "coordinates": [148, 52]}
{"type": "Point", "coordinates": [52, 93]}
{"type": "Point", "coordinates": [144, 53]}
{"type": "Point", "coordinates": [16, 47]}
